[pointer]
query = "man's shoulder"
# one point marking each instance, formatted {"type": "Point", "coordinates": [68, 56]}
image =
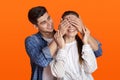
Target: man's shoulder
{"type": "Point", "coordinates": [30, 37]}
{"type": "Point", "coordinates": [33, 37]}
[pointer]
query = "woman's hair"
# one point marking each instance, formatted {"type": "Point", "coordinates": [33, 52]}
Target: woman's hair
{"type": "Point", "coordinates": [79, 46]}
{"type": "Point", "coordinates": [70, 12]}
{"type": "Point", "coordinates": [79, 41]}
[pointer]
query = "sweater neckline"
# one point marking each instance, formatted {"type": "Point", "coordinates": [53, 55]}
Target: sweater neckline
{"type": "Point", "coordinates": [71, 43]}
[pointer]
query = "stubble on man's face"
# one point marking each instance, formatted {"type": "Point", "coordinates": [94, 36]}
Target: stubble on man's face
{"type": "Point", "coordinates": [45, 23]}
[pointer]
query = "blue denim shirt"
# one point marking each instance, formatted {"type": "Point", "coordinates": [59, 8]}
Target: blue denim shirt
{"type": "Point", "coordinates": [99, 51]}
{"type": "Point", "coordinates": [39, 53]}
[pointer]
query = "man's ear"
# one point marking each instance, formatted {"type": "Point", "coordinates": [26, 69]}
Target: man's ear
{"type": "Point", "coordinates": [35, 26]}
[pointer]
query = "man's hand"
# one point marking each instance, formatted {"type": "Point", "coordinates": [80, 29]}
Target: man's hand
{"type": "Point", "coordinates": [76, 22]}
{"type": "Point", "coordinates": [59, 39]}
{"type": "Point", "coordinates": [86, 35]}
{"type": "Point", "coordinates": [64, 24]}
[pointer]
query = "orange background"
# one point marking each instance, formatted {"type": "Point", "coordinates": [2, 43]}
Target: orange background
{"type": "Point", "coordinates": [101, 17]}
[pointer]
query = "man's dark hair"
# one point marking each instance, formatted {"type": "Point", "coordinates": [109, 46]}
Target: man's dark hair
{"type": "Point", "coordinates": [36, 12]}
{"type": "Point", "coordinates": [70, 12]}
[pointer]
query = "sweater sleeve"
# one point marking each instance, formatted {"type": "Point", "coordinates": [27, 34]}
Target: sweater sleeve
{"type": "Point", "coordinates": [58, 64]}
{"type": "Point", "coordinates": [89, 64]}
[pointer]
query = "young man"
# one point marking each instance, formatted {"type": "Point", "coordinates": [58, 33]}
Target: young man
{"type": "Point", "coordinates": [41, 47]}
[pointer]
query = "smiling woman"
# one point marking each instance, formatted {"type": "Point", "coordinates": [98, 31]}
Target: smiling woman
{"type": "Point", "coordinates": [75, 58]}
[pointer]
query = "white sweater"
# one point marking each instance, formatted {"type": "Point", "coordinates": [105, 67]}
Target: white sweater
{"type": "Point", "coordinates": [66, 66]}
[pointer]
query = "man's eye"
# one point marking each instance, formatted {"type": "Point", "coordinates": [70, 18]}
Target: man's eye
{"type": "Point", "coordinates": [43, 22]}
{"type": "Point", "coordinates": [49, 18]}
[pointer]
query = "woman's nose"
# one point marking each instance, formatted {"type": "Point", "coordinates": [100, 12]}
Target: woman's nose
{"type": "Point", "coordinates": [71, 26]}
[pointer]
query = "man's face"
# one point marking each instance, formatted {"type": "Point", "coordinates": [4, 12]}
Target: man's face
{"type": "Point", "coordinates": [45, 23]}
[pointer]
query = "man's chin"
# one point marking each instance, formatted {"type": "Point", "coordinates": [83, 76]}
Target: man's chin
{"type": "Point", "coordinates": [50, 31]}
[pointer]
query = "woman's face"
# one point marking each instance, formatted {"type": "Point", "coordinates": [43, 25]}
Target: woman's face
{"type": "Point", "coordinates": [71, 30]}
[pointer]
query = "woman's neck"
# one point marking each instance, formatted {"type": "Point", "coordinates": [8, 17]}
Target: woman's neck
{"type": "Point", "coordinates": [69, 39]}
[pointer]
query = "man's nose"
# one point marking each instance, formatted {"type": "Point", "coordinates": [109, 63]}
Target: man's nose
{"type": "Point", "coordinates": [48, 22]}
